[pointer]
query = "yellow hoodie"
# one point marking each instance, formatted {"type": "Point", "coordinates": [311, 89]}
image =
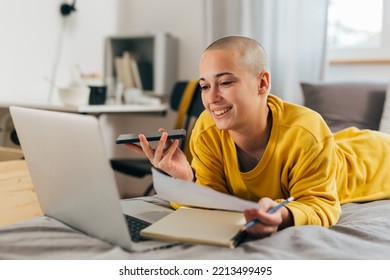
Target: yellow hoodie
{"type": "Point", "coordinates": [302, 159]}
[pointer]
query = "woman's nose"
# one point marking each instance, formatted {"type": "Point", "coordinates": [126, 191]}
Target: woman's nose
{"type": "Point", "coordinates": [214, 95]}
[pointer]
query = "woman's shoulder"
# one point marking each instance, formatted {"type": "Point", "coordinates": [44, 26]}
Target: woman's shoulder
{"type": "Point", "coordinates": [295, 118]}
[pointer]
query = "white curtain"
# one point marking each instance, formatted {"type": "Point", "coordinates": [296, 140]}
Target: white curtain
{"type": "Point", "coordinates": [293, 32]}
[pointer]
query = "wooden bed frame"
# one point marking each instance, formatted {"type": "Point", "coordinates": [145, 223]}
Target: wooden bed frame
{"type": "Point", "coordinates": [18, 201]}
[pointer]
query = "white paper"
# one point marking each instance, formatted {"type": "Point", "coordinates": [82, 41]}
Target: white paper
{"type": "Point", "coordinates": [189, 193]}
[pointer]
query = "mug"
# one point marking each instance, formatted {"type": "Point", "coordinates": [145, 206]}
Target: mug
{"type": "Point", "coordinates": [97, 95]}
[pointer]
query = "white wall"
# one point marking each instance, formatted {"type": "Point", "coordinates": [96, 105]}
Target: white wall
{"type": "Point", "coordinates": [30, 33]}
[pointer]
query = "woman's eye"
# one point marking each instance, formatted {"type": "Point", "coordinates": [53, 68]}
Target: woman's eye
{"type": "Point", "coordinates": [226, 83]}
{"type": "Point", "coordinates": [202, 88]}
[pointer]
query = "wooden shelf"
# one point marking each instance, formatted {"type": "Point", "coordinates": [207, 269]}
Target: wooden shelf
{"type": "Point", "coordinates": [365, 61]}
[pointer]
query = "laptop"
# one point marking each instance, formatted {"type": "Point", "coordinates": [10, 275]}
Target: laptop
{"type": "Point", "coordinates": [73, 178]}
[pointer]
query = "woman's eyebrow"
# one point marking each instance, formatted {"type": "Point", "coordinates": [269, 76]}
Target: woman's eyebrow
{"type": "Point", "coordinates": [218, 75]}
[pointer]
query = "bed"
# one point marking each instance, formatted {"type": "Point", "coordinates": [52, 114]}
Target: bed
{"type": "Point", "coordinates": [362, 232]}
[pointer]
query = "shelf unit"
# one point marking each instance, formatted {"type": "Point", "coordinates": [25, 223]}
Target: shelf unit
{"type": "Point", "coordinates": [160, 50]}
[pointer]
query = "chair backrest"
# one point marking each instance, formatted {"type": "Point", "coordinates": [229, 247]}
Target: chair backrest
{"type": "Point", "coordinates": [187, 101]}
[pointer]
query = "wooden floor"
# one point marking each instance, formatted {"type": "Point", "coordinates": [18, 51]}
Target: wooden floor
{"type": "Point", "coordinates": [18, 200]}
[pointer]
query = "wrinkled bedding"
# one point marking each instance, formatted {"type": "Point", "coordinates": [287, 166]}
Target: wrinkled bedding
{"type": "Point", "coordinates": [363, 232]}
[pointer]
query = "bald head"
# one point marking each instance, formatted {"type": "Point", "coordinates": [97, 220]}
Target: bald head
{"type": "Point", "coordinates": [252, 54]}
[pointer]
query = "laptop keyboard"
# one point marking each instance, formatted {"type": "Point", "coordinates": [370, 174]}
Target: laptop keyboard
{"type": "Point", "coordinates": [135, 226]}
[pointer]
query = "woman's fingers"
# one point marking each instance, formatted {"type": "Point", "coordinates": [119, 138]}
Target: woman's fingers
{"type": "Point", "coordinates": [149, 152]}
{"type": "Point", "coordinates": [268, 223]}
{"type": "Point", "coordinates": [166, 161]}
{"type": "Point", "coordinates": [162, 156]}
{"type": "Point", "coordinates": [154, 155]}
{"type": "Point", "coordinates": [159, 151]}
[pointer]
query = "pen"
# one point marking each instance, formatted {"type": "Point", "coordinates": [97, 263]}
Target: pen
{"type": "Point", "coordinates": [270, 211]}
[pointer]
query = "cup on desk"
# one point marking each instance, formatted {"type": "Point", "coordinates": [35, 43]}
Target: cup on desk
{"type": "Point", "coordinates": [98, 95]}
{"type": "Point", "coordinates": [74, 95]}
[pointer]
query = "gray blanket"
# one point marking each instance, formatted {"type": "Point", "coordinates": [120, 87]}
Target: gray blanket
{"type": "Point", "coordinates": [363, 232]}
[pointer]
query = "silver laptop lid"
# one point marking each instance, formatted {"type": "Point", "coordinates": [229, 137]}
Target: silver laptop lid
{"type": "Point", "coordinates": [71, 173]}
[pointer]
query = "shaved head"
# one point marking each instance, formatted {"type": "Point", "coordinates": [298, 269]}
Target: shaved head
{"type": "Point", "coordinates": [252, 54]}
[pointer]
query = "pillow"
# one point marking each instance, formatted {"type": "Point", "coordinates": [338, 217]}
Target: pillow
{"type": "Point", "coordinates": [384, 124]}
{"type": "Point", "coordinates": [346, 104]}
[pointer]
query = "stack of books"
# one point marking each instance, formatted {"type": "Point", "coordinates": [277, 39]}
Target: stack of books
{"type": "Point", "coordinates": [132, 71]}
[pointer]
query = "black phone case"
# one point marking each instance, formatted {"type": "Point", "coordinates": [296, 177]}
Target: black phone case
{"type": "Point", "coordinates": [150, 136]}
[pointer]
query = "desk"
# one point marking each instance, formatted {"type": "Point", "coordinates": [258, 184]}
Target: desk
{"type": "Point", "coordinates": [87, 109]}
{"type": "Point", "coordinates": [92, 109]}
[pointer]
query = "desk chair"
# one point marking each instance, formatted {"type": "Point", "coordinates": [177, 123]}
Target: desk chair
{"type": "Point", "coordinates": [186, 100]}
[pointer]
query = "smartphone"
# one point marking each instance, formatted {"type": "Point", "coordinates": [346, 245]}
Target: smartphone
{"type": "Point", "coordinates": [150, 136]}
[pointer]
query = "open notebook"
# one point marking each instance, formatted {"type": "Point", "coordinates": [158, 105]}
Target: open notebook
{"type": "Point", "coordinates": [218, 222]}
{"type": "Point", "coordinates": [195, 225]}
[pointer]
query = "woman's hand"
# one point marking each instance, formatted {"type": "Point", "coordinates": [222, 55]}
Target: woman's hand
{"type": "Point", "coordinates": [268, 223]}
{"type": "Point", "coordinates": [167, 156]}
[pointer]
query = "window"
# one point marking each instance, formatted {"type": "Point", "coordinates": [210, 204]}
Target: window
{"type": "Point", "coordinates": [348, 28]}
{"type": "Point", "coordinates": [357, 30]}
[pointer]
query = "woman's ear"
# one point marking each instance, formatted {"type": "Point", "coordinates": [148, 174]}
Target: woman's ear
{"type": "Point", "coordinates": [264, 82]}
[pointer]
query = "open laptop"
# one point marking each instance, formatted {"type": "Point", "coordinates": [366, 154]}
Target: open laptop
{"type": "Point", "coordinates": [74, 181]}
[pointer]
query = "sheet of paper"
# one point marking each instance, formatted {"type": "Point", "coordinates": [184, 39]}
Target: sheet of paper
{"type": "Point", "coordinates": [189, 193]}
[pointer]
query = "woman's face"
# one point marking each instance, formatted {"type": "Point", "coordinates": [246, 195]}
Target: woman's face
{"type": "Point", "coordinates": [230, 92]}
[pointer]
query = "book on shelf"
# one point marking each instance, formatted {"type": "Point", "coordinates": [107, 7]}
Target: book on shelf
{"type": "Point", "coordinates": [143, 73]}
{"type": "Point", "coordinates": [134, 72]}
{"type": "Point", "coordinates": [124, 71]}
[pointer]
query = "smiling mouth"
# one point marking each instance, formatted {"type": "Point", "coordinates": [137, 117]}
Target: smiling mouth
{"type": "Point", "coordinates": [219, 113]}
